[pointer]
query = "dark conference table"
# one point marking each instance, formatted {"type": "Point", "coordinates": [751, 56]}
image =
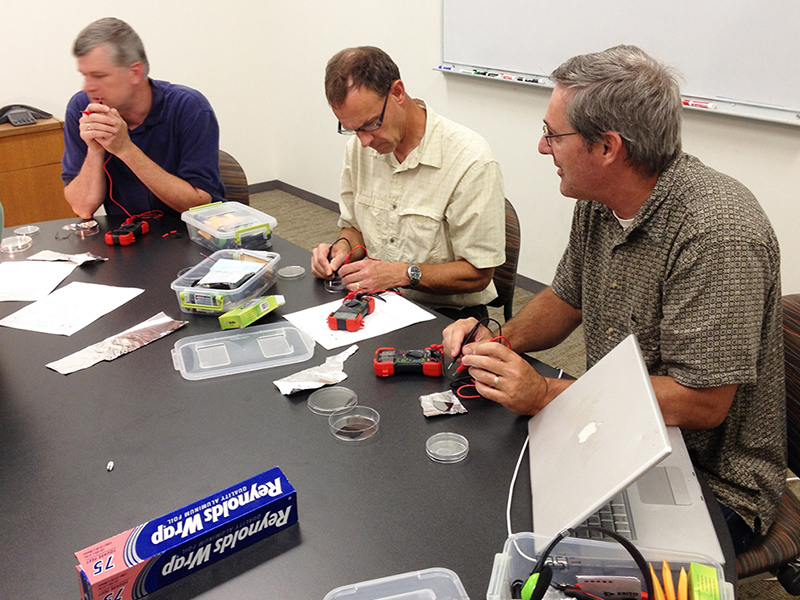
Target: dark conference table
{"type": "Point", "coordinates": [366, 509]}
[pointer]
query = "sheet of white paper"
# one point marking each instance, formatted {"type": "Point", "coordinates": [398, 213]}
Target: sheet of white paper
{"type": "Point", "coordinates": [71, 308]}
{"type": "Point", "coordinates": [394, 314]}
{"type": "Point", "coordinates": [26, 281]}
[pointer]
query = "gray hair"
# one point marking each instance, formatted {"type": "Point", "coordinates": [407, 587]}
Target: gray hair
{"type": "Point", "coordinates": [126, 46]}
{"type": "Point", "coordinates": [352, 68]}
{"type": "Point", "coordinates": [625, 90]}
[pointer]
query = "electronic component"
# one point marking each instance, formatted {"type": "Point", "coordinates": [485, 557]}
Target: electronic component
{"type": "Point", "coordinates": [127, 233]}
{"type": "Point", "coordinates": [350, 315]}
{"type": "Point", "coordinates": [389, 361]}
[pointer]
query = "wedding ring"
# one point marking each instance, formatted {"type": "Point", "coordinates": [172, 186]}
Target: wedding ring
{"type": "Point", "coordinates": [358, 285]}
{"type": "Point", "coordinates": [88, 127]}
{"type": "Point", "coordinates": [496, 379]}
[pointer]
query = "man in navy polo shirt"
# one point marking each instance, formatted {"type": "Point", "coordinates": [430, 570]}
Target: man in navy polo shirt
{"type": "Point", "coordinates": [132, 143]}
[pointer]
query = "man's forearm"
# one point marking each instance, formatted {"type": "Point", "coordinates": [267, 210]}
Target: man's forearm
{"type": "Point", "coordinates": [170, 189]}
{"type": "Point", "coordinates": [544, 322]}
{"type": "Point", "coordinates": [86, 192]}
{"type": "Point", "coordinates": [457, 277]}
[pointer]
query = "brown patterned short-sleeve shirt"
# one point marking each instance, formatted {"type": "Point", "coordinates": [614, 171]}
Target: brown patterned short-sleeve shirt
{"type": "Point", "coordinates": [697, 278]}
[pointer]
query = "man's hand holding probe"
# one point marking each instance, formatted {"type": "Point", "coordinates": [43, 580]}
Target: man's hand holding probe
{"type": "Point", "coordinates": [500, 374]}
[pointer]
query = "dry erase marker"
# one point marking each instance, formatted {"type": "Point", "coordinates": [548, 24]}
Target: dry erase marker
{"type": "Point", "coordinates": [446, 68]}
{"type": "Point", "coordinates": [699, 104]}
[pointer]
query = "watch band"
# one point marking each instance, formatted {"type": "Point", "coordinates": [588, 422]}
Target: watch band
{"type": "Point", "coordinates": [414, 274]}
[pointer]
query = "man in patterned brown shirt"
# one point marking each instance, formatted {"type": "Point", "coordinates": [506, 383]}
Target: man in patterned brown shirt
{"type": "Point", "coordinates": [664, 247]}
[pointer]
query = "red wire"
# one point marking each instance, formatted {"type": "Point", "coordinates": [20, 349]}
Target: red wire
{"type": "Point", "coordinates": [150, 214]}
{"type": "Point", "coordinates": [366, 254]}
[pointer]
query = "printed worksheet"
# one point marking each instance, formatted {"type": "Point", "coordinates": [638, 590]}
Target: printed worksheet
{"type": "Point", "coordinates": [71, 308]}
{"type": "Point", "coordinates": [27, 281]}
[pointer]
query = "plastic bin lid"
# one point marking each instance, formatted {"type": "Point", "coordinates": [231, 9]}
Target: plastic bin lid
{"type": "Point", "coordinates": [241, 350]}
{"type": "Point", "coordinates": [223, 219]}
{"type": "Point", "coordinates": [428, 584]}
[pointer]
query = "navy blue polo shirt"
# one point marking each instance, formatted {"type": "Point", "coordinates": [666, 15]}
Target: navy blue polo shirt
{"type": "Point", "coordinates": [180, 134]}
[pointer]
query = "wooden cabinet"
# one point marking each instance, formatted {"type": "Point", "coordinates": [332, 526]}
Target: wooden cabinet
{"type": "Point", "coordinates": [30, 173]}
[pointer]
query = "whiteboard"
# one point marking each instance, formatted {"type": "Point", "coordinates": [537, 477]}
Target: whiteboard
{"type": "Point", "coordinates": [742, 54]}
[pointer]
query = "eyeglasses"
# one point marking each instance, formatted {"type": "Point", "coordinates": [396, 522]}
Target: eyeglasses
{"type": "Point", "coordinates": [372, 126]}
{"type": "Point", "coordinates": [547, 135]}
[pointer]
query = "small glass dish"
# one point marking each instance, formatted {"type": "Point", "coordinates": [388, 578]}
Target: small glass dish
{"type": "Point", "coordinates": [328, 400]}
{"type": "Point", "coordinates": [291, 272]}
{"type": "Point", "coordinates": [355, 423]}
{"type": "Point", "coordinates": [26, 230]}
{"type": "Point", "coordinates": [18, 243]}
{"type": "Point", "coordinates": [447, 447]}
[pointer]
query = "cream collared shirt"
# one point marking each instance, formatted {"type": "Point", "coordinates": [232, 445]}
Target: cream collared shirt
{"type": "Point", "coordinates": [444, 203]}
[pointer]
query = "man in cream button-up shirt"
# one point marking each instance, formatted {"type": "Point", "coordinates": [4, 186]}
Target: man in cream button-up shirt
{"type": "Point", "coordinates": [422, 194]}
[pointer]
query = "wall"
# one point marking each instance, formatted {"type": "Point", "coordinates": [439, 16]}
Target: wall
{"type": "Point", "coordinates": [261, 63]}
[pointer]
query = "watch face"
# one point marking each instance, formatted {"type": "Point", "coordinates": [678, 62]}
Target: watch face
{"type": "Point", "coordinates": [414, 274]}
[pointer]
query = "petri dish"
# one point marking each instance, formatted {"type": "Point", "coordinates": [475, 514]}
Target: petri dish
{"type": "Point", "coordinates": [334, 284]}
{"type": "Point", "coordinates": [355, 423]}
{"type": "Point", "coordinates": [291, 272]}
{"type": "Point", "coordinates": [86, 228]}
{"type": "Point", "coordinates": [330, 399]}
{"type": "Point", "coordinates": [26, 230]}
{"type": "Point", "coordinates": [18, 243]}
{"type": "Point", "coordinates": [447, 447]}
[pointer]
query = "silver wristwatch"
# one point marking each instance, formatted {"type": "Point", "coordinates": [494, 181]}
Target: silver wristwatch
{"type": "Point", "coordinates": [414, 273]}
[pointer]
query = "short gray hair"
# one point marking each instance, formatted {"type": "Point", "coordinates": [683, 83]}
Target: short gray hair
{"type": "Point", "coordinates": [126, 46]}
{"type": "Point", "coordinates": [625, 90]}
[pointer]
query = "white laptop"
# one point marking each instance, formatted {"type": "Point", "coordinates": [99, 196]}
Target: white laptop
{"type": "Point", "coordinates": [604, 438]}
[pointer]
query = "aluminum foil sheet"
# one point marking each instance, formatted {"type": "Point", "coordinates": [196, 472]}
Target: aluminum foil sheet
{"type": "Point", "coordinates": [110, 348]}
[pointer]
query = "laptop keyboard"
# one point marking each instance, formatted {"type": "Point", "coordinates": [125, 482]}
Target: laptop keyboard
{"type": "Point", "coordinates": [614, 516]}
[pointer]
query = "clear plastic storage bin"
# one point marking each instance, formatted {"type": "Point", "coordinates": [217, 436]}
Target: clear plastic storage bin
{"type": "Point", "coordinates": [429, 584]}
{"type": "Point", "coordinates": [225, 225]}
{"type": "Point", "coordinates": [573, 557]}
{"type": "Point", "coordinates": [241, 350]}
{"type": "Point", "coordinates": [204, 300]}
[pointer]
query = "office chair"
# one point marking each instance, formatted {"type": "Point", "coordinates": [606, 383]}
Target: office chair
{"type": "Point", "coordinates": [505, 276]}
{"type": "Point", "coordinates": [780, 548]}
{"type": "Point", "coordinates": [233, 178]}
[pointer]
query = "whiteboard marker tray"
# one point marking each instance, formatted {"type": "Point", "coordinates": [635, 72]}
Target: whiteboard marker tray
{"type": "Point", "coordinates": [241, 351]}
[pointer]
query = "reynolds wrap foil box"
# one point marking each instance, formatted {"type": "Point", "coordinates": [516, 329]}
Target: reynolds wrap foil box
{"type": "Point", "coordinates": [154, 554]}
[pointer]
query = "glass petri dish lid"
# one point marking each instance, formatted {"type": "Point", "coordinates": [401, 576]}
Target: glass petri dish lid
{"type": "Point", "coordinates": [291, 272]}
{"type": "Point", "coordinates": [330, 399]}
{"type": "Point", "coordinates": [447, 447]}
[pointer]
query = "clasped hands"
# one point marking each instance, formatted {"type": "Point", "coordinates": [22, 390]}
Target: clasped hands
{"type": "Point", "coordinates": [500, 374]}
{"type": "Point", "coordinates": [102, 126]}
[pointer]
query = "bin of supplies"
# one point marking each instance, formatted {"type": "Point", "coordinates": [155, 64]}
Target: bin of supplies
{"type": "Point", "coordinates": [225, 280]}
{"type": "Point", "coordinates": [574, 559]}
{"type": "Point", "coordinates": [226, 225]}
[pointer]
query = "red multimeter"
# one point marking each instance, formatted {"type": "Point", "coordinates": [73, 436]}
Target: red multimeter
{"type": "Point", "coordinates": [350, 315]}
{"type": "Point", "coordinates": [389, 361]}
{"type": "Point", "coordinates": [127, 233]}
